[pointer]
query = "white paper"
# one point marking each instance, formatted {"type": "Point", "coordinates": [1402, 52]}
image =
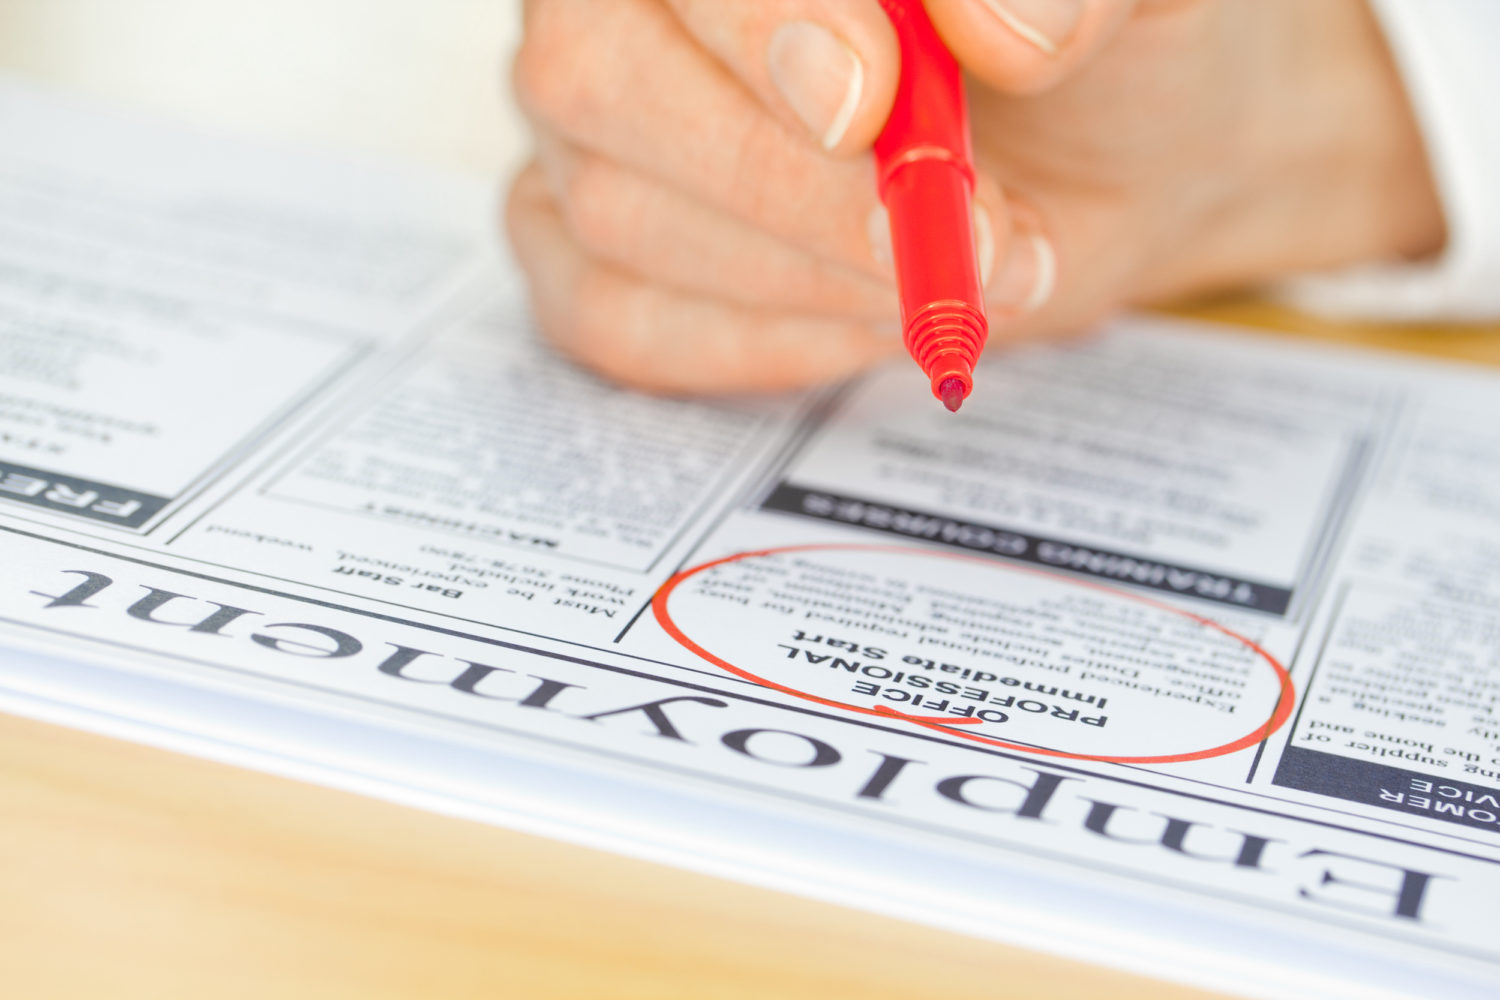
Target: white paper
{"type": "Point", "coordinates": [1174, 650]}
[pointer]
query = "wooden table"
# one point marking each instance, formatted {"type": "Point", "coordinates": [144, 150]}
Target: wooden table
{"type": "Point", "coordinates": [130, 872]}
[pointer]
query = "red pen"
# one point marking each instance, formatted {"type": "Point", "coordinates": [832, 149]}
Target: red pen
{"type": "Point", "coordinates": [926, 177]}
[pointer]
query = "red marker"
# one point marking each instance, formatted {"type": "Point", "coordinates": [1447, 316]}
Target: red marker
{"type": "Point", "coordinates": [926, 174]}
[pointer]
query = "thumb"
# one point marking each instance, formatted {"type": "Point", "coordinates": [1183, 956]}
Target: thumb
{"type": "Point", "coordinates": [1027, 46]}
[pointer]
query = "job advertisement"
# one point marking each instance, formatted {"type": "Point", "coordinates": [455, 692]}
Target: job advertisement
{"type": "Point", "coordinates": [1173, 650]}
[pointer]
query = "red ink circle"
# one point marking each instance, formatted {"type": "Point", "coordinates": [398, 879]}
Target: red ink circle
{"type": "Point", "coordinates": [1279, 714]}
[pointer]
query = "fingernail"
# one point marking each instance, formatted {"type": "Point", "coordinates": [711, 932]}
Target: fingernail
{"type": "Point", "coordinates": [1046, 274]}
{"type": "Point", "coordinates": [1029, 277]}
{"type": "Point", "coordinates": [1046, 24]}
{"type": "Point", "coordinates": [820, 77]}
{"type": "Point", "coordinates": [878, 230]}
{"type": "Point", "coordinates": [984, 243]}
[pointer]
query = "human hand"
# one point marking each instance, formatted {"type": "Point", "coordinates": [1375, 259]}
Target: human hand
{"type": "Point", "coordinates": [702, 214]}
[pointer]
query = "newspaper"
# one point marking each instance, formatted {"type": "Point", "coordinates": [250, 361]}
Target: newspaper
{"type": "Point", "coordinates": [1178, 649]}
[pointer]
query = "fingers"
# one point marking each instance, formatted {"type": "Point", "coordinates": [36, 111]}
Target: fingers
{"type": "Point", "coordinates": [1062, 276]}
{"type": "Point", "coordinates": [1027, 46]}
{"type": "Point", "coordinates": [659, 338]}
{"type": "Point", "coordinates": [640, 225]}
{"type": "Point", "coordinates": [830, 69]}
{"type": "Point", "coordinates": [686, 234]}
{"type": "Point", "coordinates": [1025, 282]}
{"type": "Point", "coordinates": [637, 330]}
{"type": "Point", "coordinates": [627, 81]}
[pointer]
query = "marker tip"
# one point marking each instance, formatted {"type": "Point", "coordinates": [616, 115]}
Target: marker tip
{"type": "Point", "coordinates": [952, 392]}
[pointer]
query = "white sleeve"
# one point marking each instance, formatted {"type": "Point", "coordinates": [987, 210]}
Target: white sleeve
{"type": "Point", "coordinates": [1448, 52]}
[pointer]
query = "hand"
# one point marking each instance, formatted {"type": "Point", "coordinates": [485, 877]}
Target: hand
{"type": "Point", "coordinates": [701, 215]}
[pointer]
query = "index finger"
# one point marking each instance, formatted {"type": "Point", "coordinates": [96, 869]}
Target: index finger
{"type": "Point", "coordinates": [830, 69]}
{"type": "Point", "coordinates": [624, 79]}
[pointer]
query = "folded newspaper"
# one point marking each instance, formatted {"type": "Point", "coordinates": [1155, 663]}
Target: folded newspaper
{"type": "Point", "coordinates": [1178, 649]}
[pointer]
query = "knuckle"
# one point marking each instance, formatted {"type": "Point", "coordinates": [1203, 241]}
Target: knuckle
{"type": "Point", "coordinates": [602, 331]}
{"type": "Point", "coordinates": [600, 207]}
{"type": "Point", "coordinates": [518, 217]}
{"type": "Point", "coordinates": [779, 185]}
{"type": "Point", "coordinates": [541, 84]}
{"type": "Point", "coordinates": [514, 204]}
{"type": "Point", "coordinates": [758, 184]}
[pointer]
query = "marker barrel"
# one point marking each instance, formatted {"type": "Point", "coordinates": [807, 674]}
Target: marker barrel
{"type": "Point", "coordinates": [942, 301]}
{"type": "Point", "coordinates": [926, 180]}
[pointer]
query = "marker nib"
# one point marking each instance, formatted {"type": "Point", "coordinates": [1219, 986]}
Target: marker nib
{"type": "Point", "coordinates": [952, 393]}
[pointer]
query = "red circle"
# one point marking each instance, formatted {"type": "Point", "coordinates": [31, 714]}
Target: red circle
{"type": "Point", "coordinates": [1279, 714]}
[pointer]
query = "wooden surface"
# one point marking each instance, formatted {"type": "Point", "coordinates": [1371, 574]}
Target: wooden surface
{"type": "Point", "coordinates": [128, 872]}
{"type": "Point", "coordinates": [1477, 344]}
{"type": "Point", "coordinates": [134, 874]}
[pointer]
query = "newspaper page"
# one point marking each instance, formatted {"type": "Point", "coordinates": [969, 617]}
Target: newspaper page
{"type": "Point", "coordinates": [1177, 649]}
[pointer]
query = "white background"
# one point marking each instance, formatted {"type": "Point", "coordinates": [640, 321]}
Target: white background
{"type": "Point", "coordinates": [425, 81]}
